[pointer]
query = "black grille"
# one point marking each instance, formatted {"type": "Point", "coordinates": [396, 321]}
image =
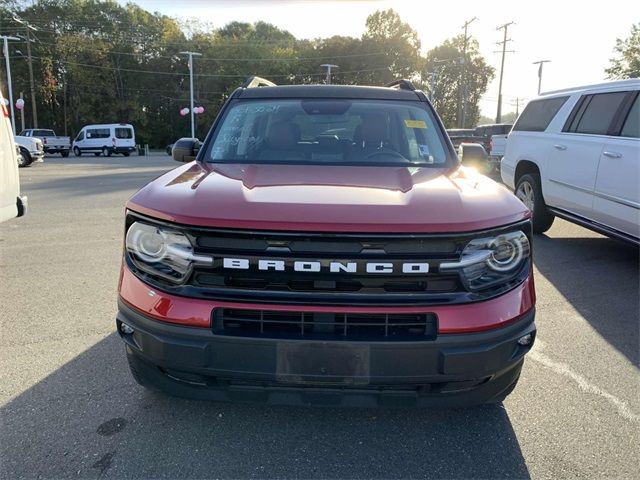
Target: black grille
{"type": "Point", "coordinates": [325, 326]}
{"type": "Point", "coordinates": [326, 286]}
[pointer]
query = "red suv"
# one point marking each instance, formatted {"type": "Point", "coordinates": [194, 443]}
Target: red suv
{"type": "Point", "coordinates": [325, 246]}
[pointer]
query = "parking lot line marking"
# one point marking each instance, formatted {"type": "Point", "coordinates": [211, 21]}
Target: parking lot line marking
{"type": "Point", "coordinates": [584, 385]}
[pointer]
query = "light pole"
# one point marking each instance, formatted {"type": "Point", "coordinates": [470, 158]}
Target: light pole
{"type": "Point", "coordinates": [191, 55]}
{"type": "Point", "coordinates": [5, 50]}
{"type": "Point", "coordinates": [462, 108]}
{"type": "Point", "coordinates": [328, 66]}
{"type": "Point", "coordinates": [541, 63]}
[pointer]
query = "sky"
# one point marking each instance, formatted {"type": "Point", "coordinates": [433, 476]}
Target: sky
{"type": "Point", "coordinates": [578, 37]}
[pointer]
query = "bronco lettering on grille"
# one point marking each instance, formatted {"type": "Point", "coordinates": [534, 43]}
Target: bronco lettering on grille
{"type": "Point", "coordinates": [311, 266]}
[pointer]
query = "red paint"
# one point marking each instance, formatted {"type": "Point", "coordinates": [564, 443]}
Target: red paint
{"type": "Point", "coordinates": [472, 317]}
{"type": "Point", "coordinates": [329, 198]}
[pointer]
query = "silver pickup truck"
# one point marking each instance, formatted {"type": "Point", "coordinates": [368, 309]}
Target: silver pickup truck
{"type": "Point", "coordinates": [51, 142]}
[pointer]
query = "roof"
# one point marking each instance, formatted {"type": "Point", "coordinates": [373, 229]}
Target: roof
{"type": "Point", "coordinates": [629, 83]}
{"type": "Point", "coordinates": [329, 91]}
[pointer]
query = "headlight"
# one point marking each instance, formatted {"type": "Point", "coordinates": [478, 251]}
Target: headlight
{"type": "Point", "coordinates": [491, 261]}
{"type": "Point", "coordinates": [161, 251]}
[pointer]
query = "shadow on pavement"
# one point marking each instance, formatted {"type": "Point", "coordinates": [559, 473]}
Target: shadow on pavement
{"type": "Point", "coordinates": [599, 277]}
{"type": "Point", "coordinates": [88, 419]}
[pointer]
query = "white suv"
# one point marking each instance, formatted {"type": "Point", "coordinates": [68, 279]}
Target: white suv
{"type": "Point", "coordinates": [575, 154]}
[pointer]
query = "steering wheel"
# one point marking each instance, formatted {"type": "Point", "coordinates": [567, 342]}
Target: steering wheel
{"type": "Point", "coordinates": [385, 151]}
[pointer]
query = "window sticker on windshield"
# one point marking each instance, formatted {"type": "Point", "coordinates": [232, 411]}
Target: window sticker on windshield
{"type": "Point", "coordinates": [415, 124]}
{"type": "Point", "coordinates": [423, 149]}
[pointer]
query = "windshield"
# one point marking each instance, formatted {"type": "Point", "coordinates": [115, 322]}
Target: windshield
{"type": "Point", "coordinates": [43, 133]}
{"type": "Point", "coordinates": [327, 131]}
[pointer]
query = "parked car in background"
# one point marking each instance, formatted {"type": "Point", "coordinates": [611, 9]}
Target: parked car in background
{"type": "Point", "coordinates": [51, 142]}
{"type": "Point", "coordinates": [497, 147]}
{"type": "Point", "coordinates": [575, 154]}
{"type": "Point", "coordinates": [31, 150]}
{"type": "Point", "coordinates": [461, 135]}
{"type": "Point", "coordinates": [484, 133]}
{"type": "Point", "coordinates": [105, 139]}
{"type": "Point", "coordinates": [12, 204]}
{"type": "Point", "coordinates": [168, 149]}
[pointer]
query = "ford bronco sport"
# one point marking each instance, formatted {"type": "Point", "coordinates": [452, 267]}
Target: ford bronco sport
{"type": "Point", "coordinates": [324, 246]}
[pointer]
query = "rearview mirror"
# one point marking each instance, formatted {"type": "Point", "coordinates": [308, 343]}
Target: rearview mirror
{"type": "Point", "coordinates": [186, 149]}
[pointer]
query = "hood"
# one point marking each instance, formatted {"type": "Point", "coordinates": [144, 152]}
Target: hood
{"type": "Point", "coordinates": [329, 198]}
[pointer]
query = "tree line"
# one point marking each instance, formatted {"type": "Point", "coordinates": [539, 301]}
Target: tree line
{"type": "Point", "coordinates": [101, 62]}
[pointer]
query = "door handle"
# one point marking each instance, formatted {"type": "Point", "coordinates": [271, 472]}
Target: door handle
{"type": "Point", "coordinates": [612, 154]}
{"type": "Point", "coordinates": [560, 147]}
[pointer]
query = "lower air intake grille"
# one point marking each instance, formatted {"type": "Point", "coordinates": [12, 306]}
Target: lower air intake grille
{"type": "Point", "coordinates": [325, 326]}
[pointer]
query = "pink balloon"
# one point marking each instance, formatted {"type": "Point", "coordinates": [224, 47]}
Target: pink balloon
{"type": "Point", "coordinates": [20, 104]}
{"type": "Point", "coordinates": [201, 110]}
{"type": "Point", "coordinates": [184, 111]}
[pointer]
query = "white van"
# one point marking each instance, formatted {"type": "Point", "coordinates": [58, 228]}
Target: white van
{"type": "Point", "coordinates": [575, 154]}
{"type": "Point", "coordinates": [11, 203]}
{"type": "Point", "coordinates": [105, 139]}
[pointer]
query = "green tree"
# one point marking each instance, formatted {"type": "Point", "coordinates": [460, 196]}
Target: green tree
{"type": "Point", "coordinates": [627, 62]}
{"type": "Point", "coordinates": [444, 66]}
{"type": "Point", "coordinates": [398, 44]}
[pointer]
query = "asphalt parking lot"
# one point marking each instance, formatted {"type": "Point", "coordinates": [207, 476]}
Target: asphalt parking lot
{"type": "Point", "coordinates": [70, 409]}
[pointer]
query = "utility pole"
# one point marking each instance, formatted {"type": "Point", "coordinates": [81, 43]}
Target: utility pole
{"type": "Point", "coordinates": [22, 111]}
{"type": "Point", "coordinates": [462, 105]}
{"type": "Point", "coordinates": [34, 109]}
{"type": "Point", "coordinates": [504, 27]}
{"type": "Point", "coordinates": [328, 66]}
{"type": "Point", "coordinates": [191, 55]}
{"type": "Point", "coordinates": [517, 105]}
{"type": "Point", "coordinates": [541, 63]}
{"type": "Point", "coordinates": [5, 50]}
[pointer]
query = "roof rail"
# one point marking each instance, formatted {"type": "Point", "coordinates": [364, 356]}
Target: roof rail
{"type": "Point", "coordinates": [401, 84]}
{"type": "Point", "coordinates": [254, 82]}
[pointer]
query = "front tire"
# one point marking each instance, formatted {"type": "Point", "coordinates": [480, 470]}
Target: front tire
{"type": "Point", "coordinates": [24, 159]}
{"type": "Point", "coordinates": [529, 191]}
{"type": "Point", "coordinates": [77, 152]}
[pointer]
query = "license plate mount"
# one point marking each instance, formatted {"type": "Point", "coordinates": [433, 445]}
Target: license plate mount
{"type": "Point", "coordinates": [320, 363]}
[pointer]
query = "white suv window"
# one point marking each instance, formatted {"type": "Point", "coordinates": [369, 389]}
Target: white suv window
{"type": "Point", "coordinates": [596, 112]}
{"type": "Point", "coordinates": [538, 114]}
{"type": "Point", "coordinates": [631, 126]}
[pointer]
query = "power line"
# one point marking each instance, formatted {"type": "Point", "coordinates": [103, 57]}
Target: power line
{"type": "Point", "coordinates": [207, 75]}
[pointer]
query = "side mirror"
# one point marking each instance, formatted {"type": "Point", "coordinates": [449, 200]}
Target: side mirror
{"type": "Point", "coordinates": [185, 149]}
{"type": "Point", "coordinates": [474, 155]}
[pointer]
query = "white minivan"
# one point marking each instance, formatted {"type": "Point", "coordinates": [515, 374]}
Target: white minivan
{"type": "Point", "coordinates": [575, 154]}
{"type": "Point", "coordinates": [12, 204]}
{"type": "Point", "coordinates": [105, 139]}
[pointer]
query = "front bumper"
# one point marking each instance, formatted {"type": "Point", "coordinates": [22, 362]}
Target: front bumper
{"type": "Point", "coordinates": [452, 371]}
